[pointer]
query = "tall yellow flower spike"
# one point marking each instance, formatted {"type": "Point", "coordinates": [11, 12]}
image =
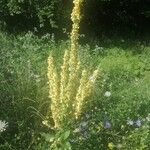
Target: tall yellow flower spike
{"type": "Point", "coordinates": [53, 90]}
{"type": "Point", "coordinates": [75, 17]}
{"type": "Point", "coordinates": [68, 90]}
{"type": "Point", "coordinates": [64, 77]}
{"type": "Point", "coordinates": [85, 89]}
{"type": "Point", "coordinates": [74, 64]}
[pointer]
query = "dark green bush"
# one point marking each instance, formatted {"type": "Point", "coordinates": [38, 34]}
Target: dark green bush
{"type": "Point", "coordinates": [99, 16]}
{"type": "Point", "coordinates": [30, 13]}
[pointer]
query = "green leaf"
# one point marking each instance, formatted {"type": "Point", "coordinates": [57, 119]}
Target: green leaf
{"type": "Point", "coordinates": [66, 135]}
{"type": "Point", "coordinates": [48, 137]}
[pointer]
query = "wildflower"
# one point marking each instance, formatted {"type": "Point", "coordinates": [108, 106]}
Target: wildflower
{"type": "Point", "coordinates": [138, 123]}
{"type": "Point", "coordinates": [36, 76]}
{"type": "Point", "coordinates": [110, 145]}
{"type": "Point", "coordinates": [119, 146]}
{"type": "Point", "coordinates": [66, 92]}
{"type": "Point", "coordinates": [148, 117]}
{"type": "Point", "coordinates": [122, 40]}
{"type": "Point", "coordinates": [72, 141]}
{"type": "Point", "coordinates": [122, 126]}
{"type": "Point", "coordinates": [38, 80]}
{"type": "Point", "coordinates": [87, 116]}
{"type": "Point", "coordinates": [130, 122]}
{"type": "Point", "coordinates": [107, 125]}
{"type": "Point", "coordinates": [83, 124]}
{"type": "Point", "coordinates": [77, 130]}
{"type": "Point", "coordinates": [107, 94]}
{"type": "Point", "coordinates": [91, 78]}
{"type": "Point", "coordinates": [85, 135]}
{"type": "Point", "coordinates": [45, 122]}
{"type": "Point", "coordinates": [3, 125]}
{"type": "Point", "coordinates": [104, 80]}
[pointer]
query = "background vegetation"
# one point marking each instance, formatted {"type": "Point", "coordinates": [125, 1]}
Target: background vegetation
{"type": "Point", "coordinates": [99, 16]}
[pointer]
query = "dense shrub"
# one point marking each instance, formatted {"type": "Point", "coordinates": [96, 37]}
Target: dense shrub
{"type": "Point", "coordinates": [99, 16]}
{"type": "Point", "coordinates": [102, 16]}
{"type": "Point", "coordinates": [30, 13]}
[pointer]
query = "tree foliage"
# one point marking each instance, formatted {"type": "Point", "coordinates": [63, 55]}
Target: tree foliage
{"type": "Point", "coordinates": [30, 13]}
{"type": "Point", "coordinates": [98, 15]}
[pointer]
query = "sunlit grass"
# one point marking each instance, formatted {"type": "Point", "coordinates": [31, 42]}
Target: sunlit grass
{"type": "Point", "coordinates": [125, 73]}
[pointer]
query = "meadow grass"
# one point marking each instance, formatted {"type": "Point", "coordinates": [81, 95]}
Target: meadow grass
{"type": "Point", "coordinates": [117, 115]}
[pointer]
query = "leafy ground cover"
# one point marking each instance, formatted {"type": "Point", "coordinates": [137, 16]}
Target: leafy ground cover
{"type": "Point", "coordinates": [117, 116]}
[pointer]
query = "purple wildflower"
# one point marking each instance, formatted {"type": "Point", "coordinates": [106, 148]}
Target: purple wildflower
{"type": "Point", "coordinates": [72, 141]}
{"type": "Point", "coordinates": [85, 135]}
{"type": "Point", "coordinates": [138, 123]}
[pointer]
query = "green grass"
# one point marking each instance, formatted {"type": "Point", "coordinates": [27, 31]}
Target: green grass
{"type": "Point", "coordinates": [125, 72]}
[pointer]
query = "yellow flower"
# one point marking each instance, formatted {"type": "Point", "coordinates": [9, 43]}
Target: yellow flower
{"type": "Point", "coordinates": [110, 145]}
{"type": "Point", "coordinates": [69, 87]}
{"type": "Point", "coordinates": [64, 77]}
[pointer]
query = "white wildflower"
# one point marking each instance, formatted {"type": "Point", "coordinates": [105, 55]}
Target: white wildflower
{"type": "Point", "coordinates": [119, 146]}
{"type": "Point", "coordinates": [122, 40]}
{"type": "Point", "coordinates": [45, 122]}
{"type": "Point", "coordinates": [91, 78]}
{"type": "Point", "coordinates": [130, 122]}
{"type": "Point", "coordinates": [3, 125]}
{"type": "Point", "coordinates": [83, 124]}
{"type": "Point", "coordinates": [148, 117]}
{"type": "Point", "coordinates": [107, 94]}
{"type": "Point", "coordinates": [87, 116]}
{"type": "Point", "coordinates": [77, 130]}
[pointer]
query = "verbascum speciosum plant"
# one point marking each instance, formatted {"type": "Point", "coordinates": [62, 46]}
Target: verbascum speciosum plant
{"type": "Point", "coordinates": [54, 90]}
{"type": "Point", "coordinates": [69, 89]}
